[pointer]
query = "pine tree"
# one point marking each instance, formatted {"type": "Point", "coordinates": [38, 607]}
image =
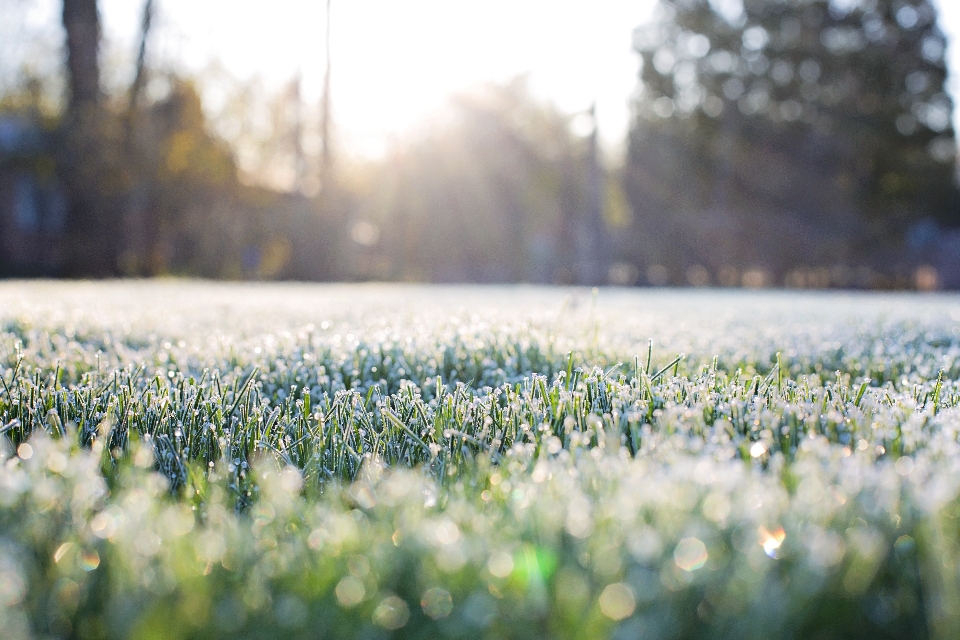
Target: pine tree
{"type": "Point", "coordinates": [790, 133]}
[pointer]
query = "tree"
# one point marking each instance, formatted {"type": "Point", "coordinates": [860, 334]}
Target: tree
{"type": "Point", "coordinates": [789, 134]}
{"type": "Point", "coordinates": [89, 165]}
{"type": "Point", "coordinates": [81, 21]}
{"type": "Point", "coordinates": [495, 191]}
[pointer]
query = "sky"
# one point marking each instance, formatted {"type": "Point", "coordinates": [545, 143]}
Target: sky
{"type": "Point", "coordinates": [395, 62]}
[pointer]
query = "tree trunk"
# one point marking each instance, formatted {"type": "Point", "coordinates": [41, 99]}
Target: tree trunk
{"type": "Point", "coordinates": [82, 23]}
{"type": "Point", "coordinates": [91, 228]}
{"type": "Point", "coordinates": [139, 225]}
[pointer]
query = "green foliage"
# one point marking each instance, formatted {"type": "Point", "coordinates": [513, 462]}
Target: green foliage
{"type": "Point", "coordinates": [386, 461]}
{"type": "Point", "coordinates": [790, 134]}
{"type": "Point", "coordinates": [190, 213]}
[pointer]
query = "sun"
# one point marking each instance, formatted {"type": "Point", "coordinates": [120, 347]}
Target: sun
{"type": "Point", "coordinates": [396, 63]}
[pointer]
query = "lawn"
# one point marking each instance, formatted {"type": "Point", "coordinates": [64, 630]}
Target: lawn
{"type": "Point", "coordinates": [195, 460]}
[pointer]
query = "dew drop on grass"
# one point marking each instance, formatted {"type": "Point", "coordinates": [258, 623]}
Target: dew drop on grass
{"type": "Point", "coordinates": [436, 603]}
{"type": "Point", "coordinates": [617, 601]}
{"type": "Point", "coordinates": [350, 592]}
{"type": "Point", "coordinates": [392, 613]}
{"type": "Point", "coordinates": [690, 554]}
{"type": "Point", "coordinates": [500, 564]}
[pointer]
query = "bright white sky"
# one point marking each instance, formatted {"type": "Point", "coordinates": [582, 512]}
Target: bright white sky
{"type": "Point", "coordinates": [394, 62]}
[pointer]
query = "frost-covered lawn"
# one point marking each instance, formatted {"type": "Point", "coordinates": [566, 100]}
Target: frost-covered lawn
{"type": "Point", "coordinates": [193, 460]}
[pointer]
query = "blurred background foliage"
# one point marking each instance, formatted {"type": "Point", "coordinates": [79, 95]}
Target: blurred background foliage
{"type": "Point", "coordinates": [805, 143]}
{"type": "Point", "coordinates": [791, 136]}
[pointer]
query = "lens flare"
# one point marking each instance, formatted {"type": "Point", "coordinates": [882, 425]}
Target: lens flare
{"type": "Point", "coordinates": [771, 540]}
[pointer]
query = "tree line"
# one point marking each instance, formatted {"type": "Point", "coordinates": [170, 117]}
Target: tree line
{"type": "Point", "coordinates": [799, 142]}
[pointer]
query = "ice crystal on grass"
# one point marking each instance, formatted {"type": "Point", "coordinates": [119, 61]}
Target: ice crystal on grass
{"type": "Point", "coordinates": [205, 460]}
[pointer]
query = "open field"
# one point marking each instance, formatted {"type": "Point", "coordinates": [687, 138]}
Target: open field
{"type": "Point", "coordinates": [192, 460]}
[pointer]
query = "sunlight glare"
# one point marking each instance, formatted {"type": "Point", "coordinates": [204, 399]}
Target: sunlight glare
{"type": "Point", "coordinates": [771, 540]}
{"type": "Point", "coordinates": [395, 64]}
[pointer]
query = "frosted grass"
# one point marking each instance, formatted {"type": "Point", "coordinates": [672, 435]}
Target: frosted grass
{"type": "Point", "coordinates": [199, 460]}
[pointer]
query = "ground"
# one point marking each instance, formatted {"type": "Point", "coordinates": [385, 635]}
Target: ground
{"type": "Point", "coordinates": [193, 460]}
